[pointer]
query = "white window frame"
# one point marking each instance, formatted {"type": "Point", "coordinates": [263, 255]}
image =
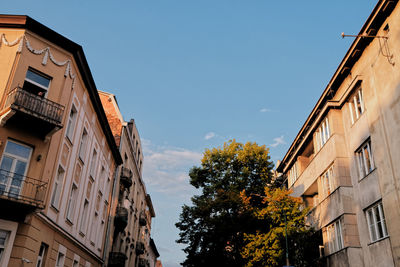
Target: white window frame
{"type": "Point", "coordinates": [292, 174]}
{"type": "Point", "coordinates": [42, 255]}
{"type": "Point", "coordinates": [38, 84]}
{"type": "Point", "coordinates": [93, 163]}
{"type": "Point", "coordinates": [61, 254]}
{"type": "Point", "coordinates": [323, 133]}
{"type": "Point", "coordinates": [72, 203]}
{"type": "Point", "coordinates": [377, 221]}
{"type": "Point", "coordinates": [57, 188]}
{"type": "Point", "coordinates": [355, 113]}
{"type": "Point", "coordinates": [75, 262]}
{"type": "Point", "coordinates": [364, 159]}
{"type": "Point", "coordinates": [10, 227]}
{"type": "Point", "coordinates": [327, 181]}
{"type": "Point", "coordinates": [83, 144]}
{"type": "Point", "coordinates": [84, 217]}
{"type": "Point", "coordinates": [335, 236]}
{"type": "Point", "coordinates": [72, 118]}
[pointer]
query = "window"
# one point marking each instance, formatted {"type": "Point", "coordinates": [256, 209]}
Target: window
{"type": "Point", "coordinates": [323, 133]}
{"type": "Point", "coordinates": [356, 105]}
{"type": "Point", "coordinates": [71, 203]}
{"type": "Point", "coordinates": [36, 83]}
{"type": "Point", "coordinates": [85, 213]}
{"type": "Point", "coordinates": [326, 179]}
{"type": "Point", "coordinates": [75, 263]}
{"type": "Point", "coordinates": [82, 146]}
{"type": "Point", "coordinates": [365, 159]}
{"type": "Point", "coordinates": [71, 123]}
{"type": "Point", "coordinates": [42, 255]}
{"type": "Point", "coordinates": [335, 238]}
{"type": "Point", "coordinates": [55, 199]}
{"type": "Point", "coordinates": [376, 222]}
{"type": "Point", "coordinates": [61, 256]}
{"type": "Point", "coordinates": [93, 164]}
{"type": "Point", "coordinates": [13, 168]}
{"type": "Point", "coordinates": [292, 175]}
{"type": "Point", "coordinates": [3, 241]}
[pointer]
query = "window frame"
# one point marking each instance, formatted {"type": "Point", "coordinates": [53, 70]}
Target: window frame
{"type": "Point", "coordinates": [327, 181]}
{"type": "Point", "coordinates": [71, 204]}
{"type": "Point", "coordinates": [323, 133]}
{"type": "Point", "coordinates": [356, 109]}
{"type": "Point", "coordinates": [335, 236]}
{"type": "Point", "coordinates": [363, 160]}
{"type": "Point", "coordinates": [39, 73]}
{"type": "Point", "coordinates": [62, 251]}
{"type": "Point", "coordinates": [58, 186]}
{"type": "Point", "coordinates": [41, 260]}
{"type": "Point", "coordinates": [69, 133]}
{"type": "Point", "coordinates": [374, 233]}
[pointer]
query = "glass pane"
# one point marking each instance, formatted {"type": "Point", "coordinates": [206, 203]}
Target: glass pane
{"type": "Point", "coordinates": [367, 159]}
{"type": "Point", "coordinates": [44, 81]}
{"type": "Point", "coordinates": [5, 167]}
{"type": "Point", "coordinates": [3, 236]}
{"type": "Point", "coordinates": [18, 150]}
{"type": "Point", "coordinates": [6, 163]}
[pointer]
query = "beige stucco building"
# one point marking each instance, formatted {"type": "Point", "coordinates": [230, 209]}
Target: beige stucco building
{"type": "Point", "coordinates": [344, 162]}
{"type": "Point", "coordinates": [58, 154]}
{"type": "Point", "coordinates": [129, 238]}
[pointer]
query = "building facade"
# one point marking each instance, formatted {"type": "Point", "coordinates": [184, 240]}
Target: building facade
{"type": "Point", "coordinates": [344, 160]}
{"type": "Point", "coordinates": [58, 154]}
{"type": "Point", "coordinates": [130, 243]}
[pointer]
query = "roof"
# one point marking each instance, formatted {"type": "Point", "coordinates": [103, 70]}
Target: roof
{"type": "Point", "coordinates": [25, 22]}
{"type": "Point", "coordinates": [379, 14]}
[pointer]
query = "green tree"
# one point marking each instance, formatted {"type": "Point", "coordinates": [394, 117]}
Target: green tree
{"type": "Point", "coordinates": [283, 216]}
{"type": "Point", "coordinates": [213, 226]}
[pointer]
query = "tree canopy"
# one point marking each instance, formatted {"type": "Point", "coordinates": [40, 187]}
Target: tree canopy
{"type": "Point", "coordinates": [214, 225]}
{"type": "Point", "coordinates": [283, 216]}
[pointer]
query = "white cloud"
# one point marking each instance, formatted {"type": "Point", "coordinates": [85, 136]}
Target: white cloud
{"type": "Point", "coordinates": [166, 168]}
{"type": "Point", "coordinates": [265, 110]}
{"type": "Point", "coordinates": [209, 135]}
{"type": "Point", "coordinates": [278, 141]}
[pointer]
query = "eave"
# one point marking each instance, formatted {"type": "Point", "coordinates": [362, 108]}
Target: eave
{"type": "Point", "coordinates": [376, 19]}
{"type": "Point", "coordinates": [27, 23]}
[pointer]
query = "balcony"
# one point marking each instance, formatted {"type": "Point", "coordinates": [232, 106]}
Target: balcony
{"type": "Point", "coordinates": [139, 248]}
{"type": "Point", "coordinates": [142, 219]}
{"type": "Point", "coordinates": [126, 177]}
{"type": "Point", "coordinates": [116, 259]}
{"type": "Point", "coordinates": [34, 113]}
{"type": "Point", "coordinates": [143, 263]}
{"type": "Point", "coordinates": [20, 193]}
{"type": "Point", "coordinates": [121, 219]}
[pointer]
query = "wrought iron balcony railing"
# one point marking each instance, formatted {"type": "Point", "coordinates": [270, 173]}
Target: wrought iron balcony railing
{"type": "Point", "coordinates": [35, 105]}
{"type": "Point", "coordinates": [126, 177]}
{"type": "Point", "coordinates": [143, 263]}
{"type": "Point", "coordinates": [142, 219]}
{"type": "Point", "coordinates": [117, 259]}
{"type": "Point", "coordinates": [121, 219]}
{"type": "Point", "coordinates": [139, 248]}
{"type": "Point", "coordinates": [23, 189]}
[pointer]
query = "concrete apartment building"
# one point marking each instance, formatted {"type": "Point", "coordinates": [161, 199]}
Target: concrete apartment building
{"type": "Point", "coordinates": [58, 154]}
{"type": "Point", "coordinates": [132, 212]}
{"type": "Point", "coordinates": [344, 162]}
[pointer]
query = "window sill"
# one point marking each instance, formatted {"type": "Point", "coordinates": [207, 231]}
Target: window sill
{"type": "Point", "coordinates": [69, 139]}
{"type": "Point", "coordinates": [69, 222]}
{"type": "Point", "coordinates": [368, 174]}
{"type": "Point", "coordinates": [54, 208]}
{"type": "Point", "coordinates": [378, 240]}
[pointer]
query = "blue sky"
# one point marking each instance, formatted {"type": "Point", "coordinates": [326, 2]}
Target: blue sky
{"type": "Point", "coordinates": [194, 74]}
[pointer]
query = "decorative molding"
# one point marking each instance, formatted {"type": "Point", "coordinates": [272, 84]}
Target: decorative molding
{"type": "Point", "coordinates": [46, 51]}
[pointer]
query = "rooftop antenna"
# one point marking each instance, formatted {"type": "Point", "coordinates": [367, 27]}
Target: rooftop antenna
{"type": "Point", "coordinates": [383, 45]}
